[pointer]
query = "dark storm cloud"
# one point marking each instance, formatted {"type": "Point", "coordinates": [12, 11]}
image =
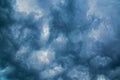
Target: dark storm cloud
{"type": "Point", "coordinates": [59, 40]}
{"type": "Point", "coordinates": [9, 68]}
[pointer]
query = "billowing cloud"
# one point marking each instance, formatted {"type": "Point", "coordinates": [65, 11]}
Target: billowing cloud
{"type": "Point", "coordinates": [59, 40]}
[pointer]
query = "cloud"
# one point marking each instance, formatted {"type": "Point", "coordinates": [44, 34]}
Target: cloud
{"type": "Point", "coordinates": [60, 39]}
{"type": "Point", "coordinates": [52, 72]}
{"type": "Point", "coordinates": [41, 58]}
{"type": "Point", "coordinates": [79, 73]}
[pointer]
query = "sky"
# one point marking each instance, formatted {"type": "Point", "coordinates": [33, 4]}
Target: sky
{"type": "Point", "coordinates": [59, 40]}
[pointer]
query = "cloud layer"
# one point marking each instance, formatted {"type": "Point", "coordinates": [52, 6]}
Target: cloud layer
{"type": "Point", "coordinates": [59, 40]}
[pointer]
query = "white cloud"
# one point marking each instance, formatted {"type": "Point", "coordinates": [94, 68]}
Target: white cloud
{"type": "Point", "coordinates": [39, 59]}
{"type": "Point", "coordinates": [59, 43]}
{"type": "Point", "coordinates": [45, 32]}
{"type": "Point", "coordinates": [102, 77]}
{"type": "Point", "coordinates": [28, 7]}
{"type": "Point", "coordinates": [79, 73]}
{"type": "Point", "coordinates": [102, 33]}
{"type": "Point", "coordinates": [95, 34]}
{"type": "Point", "coordinates": [61, 39]}
{"type": "Point", "coordinates": [52, 72]}
{"type": "Point", "coordinates": [43, 56]}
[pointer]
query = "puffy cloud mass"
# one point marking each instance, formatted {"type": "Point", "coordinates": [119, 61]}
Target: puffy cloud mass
{"type": "Point", "coordinates": [59, 40]}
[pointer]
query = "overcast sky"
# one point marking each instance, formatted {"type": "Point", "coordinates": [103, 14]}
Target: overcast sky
{"type": "Point", "coordinates": [59, 40]}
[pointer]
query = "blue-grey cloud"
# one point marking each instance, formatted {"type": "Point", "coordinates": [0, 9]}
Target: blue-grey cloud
{"type": "Point", "coordinates": [59, 40]}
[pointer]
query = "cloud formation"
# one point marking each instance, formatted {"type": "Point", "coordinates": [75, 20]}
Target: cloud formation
{"type": "Point", "coordinates": [59, 40]}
